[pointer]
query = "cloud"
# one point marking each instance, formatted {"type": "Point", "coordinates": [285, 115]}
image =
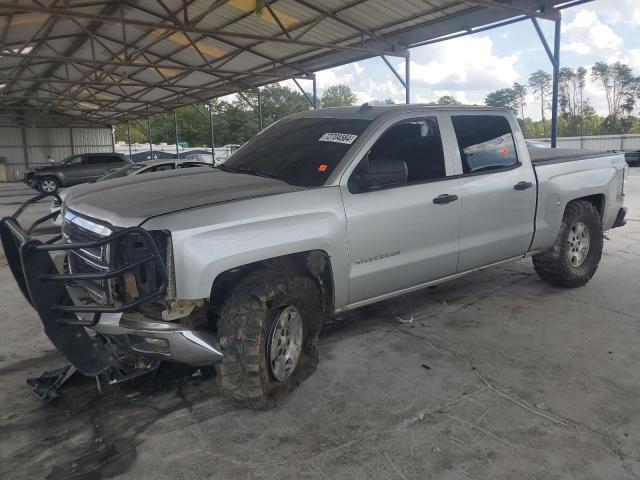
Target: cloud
{"type": "Point", "coordinates": [586, 34]}
{"type": "Point", "coordinates": [632, 58]}
{"type": "Point", "coordinates": [466, 63]}
{"type": "Point", "coordinates": [335, 76]}
{"type": "Point", "coordinates": [617, 11]}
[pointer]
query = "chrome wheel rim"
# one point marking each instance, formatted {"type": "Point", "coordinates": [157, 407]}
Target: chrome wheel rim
{"type": "Point", "coordinates": [48, 186]}
{"type": "Point", "coordinates": [285, 343]}
{"type": "Point", "coordinates": [578, 244]}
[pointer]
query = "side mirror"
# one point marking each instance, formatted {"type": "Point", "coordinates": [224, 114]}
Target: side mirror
{"type": "Point", "coordinates": [384, 172]}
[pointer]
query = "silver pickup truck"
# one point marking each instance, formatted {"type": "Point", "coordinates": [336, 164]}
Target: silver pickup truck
{"type": "Point", "coordinates": [323, 212]}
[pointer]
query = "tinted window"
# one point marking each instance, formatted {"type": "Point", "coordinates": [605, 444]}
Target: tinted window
{"type": "Point", "coordinates": [161, 168]}
{"type": "Point", "coordinates": [192, 164]}
{"type": "Point", "coordinates": [74, 160]}
{"type": "Point", "coordinates": [98, 159]}
{"type": "Point", "coordinates": [417, 143]}
{"type": "Point", "coordinates": [300, 151]}
{"type": "Point", "coordinates": [485, 142]}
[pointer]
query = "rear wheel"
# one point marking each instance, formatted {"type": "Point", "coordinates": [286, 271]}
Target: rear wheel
{"type": "Point", "coordinates": [576, 253]}
{"type": "Point", "coordinates": [48, 185]}
{"type": "Point", "coordinates": [268, 332]}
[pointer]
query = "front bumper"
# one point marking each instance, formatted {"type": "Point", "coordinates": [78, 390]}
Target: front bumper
{"type": "Point", "coordinates": [31, 181]}
{"type": "Point", "coordinates": [66, 315]}
{"type": "Point", "coordinates": [167, 341]}
{"type": "Point", "coordinates": [159, 340]}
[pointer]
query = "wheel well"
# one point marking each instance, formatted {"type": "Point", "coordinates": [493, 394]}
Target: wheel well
{"type": "Point", "coordinates": [597, 200]}
{"type": "Point", "coordinates": [314, 263]}
{"type": "Point", "coordinates": [49, 175]}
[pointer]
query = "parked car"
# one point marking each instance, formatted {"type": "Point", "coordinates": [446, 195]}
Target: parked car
{"type": "Point", "coordinates": [537, 144]}
{"type": "Point", "coordinates": [73, 170]}
{"type": "Point", "coordinates": [323, 212]}
{"type": "Point", "coordinates": [633, 158]}
{"type": "Point", "coordinates": [200, 157]}
{"type": "Point", "coordinates": [149, 166]}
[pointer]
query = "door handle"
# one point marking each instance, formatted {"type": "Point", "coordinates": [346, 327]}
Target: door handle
{"type": "Point", "coordinates": [444, 199]}
{"type": "Point", "coordinates": [522, 186]}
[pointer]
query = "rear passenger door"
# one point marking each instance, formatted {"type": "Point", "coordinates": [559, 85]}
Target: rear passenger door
{"type": "Point", "coordinates": [402, 236]}
{"type": "Point", "coordinates": [113, 162]}
{"type": "Point", "coordinates": [75, 170]}
{"type": "Point", "coordinates": [98, 165]}
{"type": "Point", "coordinates": [498, 191]}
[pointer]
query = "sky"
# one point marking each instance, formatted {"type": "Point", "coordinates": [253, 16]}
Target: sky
{"type": "Point", "coordinates": [472, 66]}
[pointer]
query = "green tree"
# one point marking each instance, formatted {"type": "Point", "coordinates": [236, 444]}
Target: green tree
{"type": "Point", "coordinates": [540, 83]}
{"type": "Point", "coordinates": [338, 96]}
{"type": "Point", "coordinates": [620, 87]}
{"type": "Point", "coordinates": [503, 97]}
{"type": "Point", "coordinates": [572, 103]}
{"type": "Point", "coordinates": [387, 101]}
{"type": "Point", "coordinates": [447, 100]}
{"type": "Point", "coordinates": [278, 101]}
{"type": "Point", "coordinates": [520, 92]}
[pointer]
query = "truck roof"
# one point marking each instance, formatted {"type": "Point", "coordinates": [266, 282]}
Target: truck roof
{"type": "Point", "coordinates": [371, 112]}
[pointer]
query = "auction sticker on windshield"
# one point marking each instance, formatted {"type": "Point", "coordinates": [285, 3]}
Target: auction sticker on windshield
{"type": "Point", "coordinates": [345, 138]}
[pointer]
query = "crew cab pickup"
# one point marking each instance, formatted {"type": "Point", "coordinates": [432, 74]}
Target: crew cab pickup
{"type": "Point", "coordinates": [322, 212]}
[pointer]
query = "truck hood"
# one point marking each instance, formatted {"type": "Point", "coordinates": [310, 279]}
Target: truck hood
{"type": "Point", "coordinates": [131, 200]}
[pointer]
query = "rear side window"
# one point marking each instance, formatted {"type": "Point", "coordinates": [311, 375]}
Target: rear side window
{"type": "Point", "coordinates": [485, 142]}
{"type": "Point", "coordinates": [97, 159]}
{"type": "Point", "coordinates": [161, 168]}
{"type": "Point", "coordinates": [190, 165]}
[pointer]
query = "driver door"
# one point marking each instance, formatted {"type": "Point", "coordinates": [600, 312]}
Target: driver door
{"type": "Point", "coordinates": [405, 235]}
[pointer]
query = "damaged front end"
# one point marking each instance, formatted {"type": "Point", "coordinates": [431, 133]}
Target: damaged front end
{"type": "Point", "coordinates": [101, 293]}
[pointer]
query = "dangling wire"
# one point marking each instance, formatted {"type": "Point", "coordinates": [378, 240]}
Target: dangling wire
{"type": "Point", "coordinates": [260, 4]}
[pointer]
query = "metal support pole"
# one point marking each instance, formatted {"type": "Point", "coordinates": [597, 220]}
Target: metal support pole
{"type": "Point", "coordinates": [310, 100]}
{"type": "Point", "coordinates": [213, 150]}
{"type": "Point", "coordinates": [25, 147]}
{"type": "Point", "coordinates": [315, 93]}
{"type": "Point", "coordinates": [556, 83]}
{"type": "Point", "coordinates": [129, 136]}
{"type": "Point", "coordinates": [260, 122]}
{"type": "Point", "coordinates": [149, 135]}
{"type": "Point", "coordinates": [175, 127]}
{"type": "Point", "coordinates": [407, 78]}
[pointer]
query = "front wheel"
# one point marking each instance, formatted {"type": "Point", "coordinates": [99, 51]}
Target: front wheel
{"type": "Point", "coordinates": [268, 332]}
{"type": "Point", "coordinates": [574, 257]}
{"type": "Point", "coordinates": [48, 185]}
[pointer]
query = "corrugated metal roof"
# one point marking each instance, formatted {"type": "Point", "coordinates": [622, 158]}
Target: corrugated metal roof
{"type": "Point", "coordinates": [102, 62]}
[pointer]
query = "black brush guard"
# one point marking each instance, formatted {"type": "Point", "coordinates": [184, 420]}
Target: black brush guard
{"type": "Point", "coordinates": [44, 287]}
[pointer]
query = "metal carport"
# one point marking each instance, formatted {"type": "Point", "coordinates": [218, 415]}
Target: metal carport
{"type": "Point", "coordinates": [97, 63]}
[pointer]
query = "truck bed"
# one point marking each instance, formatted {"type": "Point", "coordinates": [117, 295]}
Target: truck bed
{"type": "Point", "coordinates": [545, 156]}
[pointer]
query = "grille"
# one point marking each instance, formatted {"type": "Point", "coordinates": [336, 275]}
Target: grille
{"type": "Point", "coordinates": [87, 260]}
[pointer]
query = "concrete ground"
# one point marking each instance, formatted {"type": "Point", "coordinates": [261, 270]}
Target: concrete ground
{"type": "Point", "coordinates": [496, 375]}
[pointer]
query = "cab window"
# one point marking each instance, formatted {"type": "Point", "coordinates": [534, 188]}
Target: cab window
{"type": "Point", "coordinates": [486, 143]}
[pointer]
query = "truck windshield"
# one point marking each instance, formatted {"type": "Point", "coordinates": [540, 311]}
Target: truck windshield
{"type": "Point", "coordinates": [299, 151]}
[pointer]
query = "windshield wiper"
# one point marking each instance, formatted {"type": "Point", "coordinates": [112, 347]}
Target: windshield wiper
{"type": "Point", "coordinates": [247, 171]}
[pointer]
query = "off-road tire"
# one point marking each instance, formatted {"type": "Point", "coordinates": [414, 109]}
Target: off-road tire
{"type": "Point", "coordinates": [553, 265]}
{"type": "Point", "coordinates": [48, 179]}
{"type": "Point", "coordinates": [244, 325]}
